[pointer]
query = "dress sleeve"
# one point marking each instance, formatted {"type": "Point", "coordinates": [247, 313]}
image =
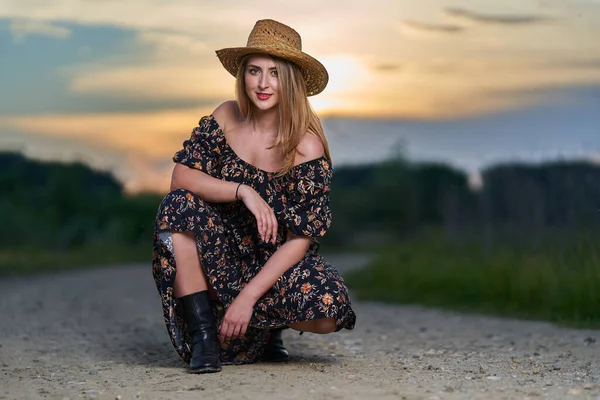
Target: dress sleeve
{"type": "Point", "coordinates": [306, 209]}
{"type": "Point", "coordinates": [203, 149]}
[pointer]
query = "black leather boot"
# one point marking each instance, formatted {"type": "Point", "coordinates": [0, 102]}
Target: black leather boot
{"type": "Point", "coordinates": [275, 352]}
{"type": "Point", "coordinates": [202, 328]}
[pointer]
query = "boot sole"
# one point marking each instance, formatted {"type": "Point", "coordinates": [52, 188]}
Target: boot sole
{"type": "Point", "coordinates": [276, 360]}
{"type": "Point", "coordinates": [206, 370]}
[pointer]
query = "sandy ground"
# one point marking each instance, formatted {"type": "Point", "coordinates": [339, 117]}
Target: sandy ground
{"type": "Point", "coordinates": [99, 334]}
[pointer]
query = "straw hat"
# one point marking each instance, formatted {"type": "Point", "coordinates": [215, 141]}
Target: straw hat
{"type": "Point", "coordinates": [279, 40]}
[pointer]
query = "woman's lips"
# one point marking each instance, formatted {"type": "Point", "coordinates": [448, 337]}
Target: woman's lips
{"type": "Point", "coordinates": [263, 96]}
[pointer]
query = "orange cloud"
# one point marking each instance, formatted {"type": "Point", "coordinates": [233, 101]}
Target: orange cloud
{"type": "Point", "coordinates": [153, 134]}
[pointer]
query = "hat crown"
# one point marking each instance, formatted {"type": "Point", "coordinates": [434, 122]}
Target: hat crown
{"type": "Point", "coordinates": [268, 32]}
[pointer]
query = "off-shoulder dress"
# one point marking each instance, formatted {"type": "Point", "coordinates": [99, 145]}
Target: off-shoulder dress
{"type": "Point", "coordinates": [231, 253]}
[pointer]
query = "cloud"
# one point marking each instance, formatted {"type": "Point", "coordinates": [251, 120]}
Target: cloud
{"type": "Point", "coordinates": [153, 134]}
{"type": "Point", "coordinates": [21, 28]}
{"type": "Point", "coordinates": [579, 63]}
{"type": "Point", "coordinates": [156, 82]}
{"type": "Point", "coordinates": [387, 67]}
{"type": "Point", "coordinates": [427, 27]}
{"type": "Point", "coordinates": [583, 94]}
{"type": "Point", "coordinates": [227, 22]}
{"type": "Point", "coordinates": [514, 19]}
{"type": "Point", "coordinates": [171, 62]}
{"type": "Point", "coordinates": [136, 170]}
{"type": "Point", "coordinates": [170, 43]}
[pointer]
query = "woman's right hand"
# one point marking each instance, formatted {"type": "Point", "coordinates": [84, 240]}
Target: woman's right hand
{"type": "Point", "coordinates": [265, 217]}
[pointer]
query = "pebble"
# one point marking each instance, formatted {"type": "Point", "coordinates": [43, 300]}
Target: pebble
{"type": "Point", "coordinates": [589, 340]}
{"type": "Point", "coordinates": [493, 378]}
{"type": "Point", "coordinates": [483, 368]}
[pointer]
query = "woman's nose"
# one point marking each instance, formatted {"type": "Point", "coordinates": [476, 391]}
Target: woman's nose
{"type": "Point", "coordinates": [263, 82]}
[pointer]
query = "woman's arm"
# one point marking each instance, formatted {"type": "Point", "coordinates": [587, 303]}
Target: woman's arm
{"type": "Point", "coordinates": [239, 313]}
{"type": "Point", "coordinates": [199, 182]}
{"type": "Point", "coordinates": [208, 188]}
{"type": "Point", "coordinates": [215, 190]}
{"type": "Point", "coordinates": [288, 254]}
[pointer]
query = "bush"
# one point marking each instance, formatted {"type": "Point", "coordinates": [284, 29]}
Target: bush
{"type": "Point", "coordinates": [557, 281]}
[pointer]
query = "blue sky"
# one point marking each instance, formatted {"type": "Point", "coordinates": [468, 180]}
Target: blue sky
{"type": "Point", "coordinates": [468, 82]}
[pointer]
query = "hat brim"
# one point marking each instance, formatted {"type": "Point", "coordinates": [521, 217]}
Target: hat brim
{"type": "Point", "coordinates": [315, 74]}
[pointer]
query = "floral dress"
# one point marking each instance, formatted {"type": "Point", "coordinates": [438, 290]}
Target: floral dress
{"type": "Point", "coordinates": [231, 252]}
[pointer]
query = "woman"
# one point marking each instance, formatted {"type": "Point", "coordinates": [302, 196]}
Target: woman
{"type": "Point", "coordinates": [235, 257]}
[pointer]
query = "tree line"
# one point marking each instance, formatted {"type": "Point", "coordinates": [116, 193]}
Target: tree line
{"type": "Point", "coordinates": [517, 203]}
{"type": "Point", "coordinates": [62, 206]}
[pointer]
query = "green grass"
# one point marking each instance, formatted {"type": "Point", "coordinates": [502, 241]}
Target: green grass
{"type": "Point", "coordinates": [556, 282]}
{"type": "Point", "coordinates": [37, 260]}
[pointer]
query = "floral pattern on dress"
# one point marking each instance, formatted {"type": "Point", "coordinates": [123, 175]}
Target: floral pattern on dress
{"type": "Point", "coordinates": [231, 252]}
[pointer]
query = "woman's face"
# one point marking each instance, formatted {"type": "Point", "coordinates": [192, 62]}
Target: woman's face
{"type": "Point", "coordinates": [262, 82]}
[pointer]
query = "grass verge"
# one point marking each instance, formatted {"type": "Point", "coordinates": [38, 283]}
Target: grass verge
{"type": "Point", "coordinates": [558, 282]}
{"type": "Point", "coordinates": [28, 261]}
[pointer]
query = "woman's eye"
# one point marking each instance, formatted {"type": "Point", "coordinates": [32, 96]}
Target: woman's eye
{"type": "Point", "coordinates": [274, 73]}
{"type": "Point", "coordinates": [253, 71]}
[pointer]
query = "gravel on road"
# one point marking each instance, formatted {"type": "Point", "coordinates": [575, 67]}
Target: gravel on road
{"type": "Point", "coordinates": [99, 334]}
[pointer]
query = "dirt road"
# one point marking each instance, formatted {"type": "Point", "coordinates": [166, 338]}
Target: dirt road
{"type": "Point", "coordinates": [99, 334]}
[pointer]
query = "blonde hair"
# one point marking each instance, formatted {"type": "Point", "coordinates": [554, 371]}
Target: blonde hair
{"type": "Point", "coordinates": [296, 116]}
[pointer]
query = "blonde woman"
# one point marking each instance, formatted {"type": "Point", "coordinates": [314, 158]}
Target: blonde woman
{"type": "Point", "coordinates": [235, 256]}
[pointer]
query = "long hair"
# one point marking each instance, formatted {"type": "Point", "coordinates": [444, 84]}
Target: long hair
{"type": "Point", "coordinates": [296, 116]}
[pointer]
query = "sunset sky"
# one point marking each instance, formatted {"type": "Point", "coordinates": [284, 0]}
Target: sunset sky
{"type": "Point", "coordinates": [120, 84]}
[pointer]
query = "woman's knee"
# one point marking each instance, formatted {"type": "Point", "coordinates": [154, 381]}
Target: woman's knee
{"type": "Point", "coordinates": [179, 191]}
{"type": "Point", "coordinates": [326, 325]}
{"type": "Point", "coordinates": [180, 210]}
{"type": "Point", "coordinates": [322, 326]}
{"type": "Point", "coordinates": [179, 195]}
{"type": "Point", "coordinates": [184, 240]}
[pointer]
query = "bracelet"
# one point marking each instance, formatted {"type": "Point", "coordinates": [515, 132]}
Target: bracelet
{"type": "Point", "coordinates": [236, 190]}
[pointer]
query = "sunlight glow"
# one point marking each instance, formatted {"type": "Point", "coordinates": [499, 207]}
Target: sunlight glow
{"type": "Point", "coordinates": [345, 73]}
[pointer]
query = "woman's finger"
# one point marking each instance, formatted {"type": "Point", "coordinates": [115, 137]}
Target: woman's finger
{"type": "Point", "coordinates": [269, 224]}
{"type": "Point", "coordinates": [259, 224]}
{"type": "Point", "coordinates": [275, 227]}
{"type": "Point", "coordinates": [236, 331]}
{"type": "Point", "coordinates": [223, 330]}
{"type": "Point", "coordinates": [263, 227]}
{"type": "Point", "coordinates": [229, 332]}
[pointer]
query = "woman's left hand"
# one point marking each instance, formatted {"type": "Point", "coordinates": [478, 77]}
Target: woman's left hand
{"type": "Point", "coordinates": [236, 318]}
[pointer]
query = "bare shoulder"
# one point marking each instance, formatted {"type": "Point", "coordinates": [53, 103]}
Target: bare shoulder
{"type": "Point", "coordinates": [227, 115]}
{"type": "Point", "coordinates": [309, 148]}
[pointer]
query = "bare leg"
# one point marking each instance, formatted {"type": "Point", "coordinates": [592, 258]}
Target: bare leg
{"type": "Point", "coordinates": [191, 290]}
{"type": "Point", "coordinates": [322, 325]}
{"type": "Point", "coordinates": [190, 277]}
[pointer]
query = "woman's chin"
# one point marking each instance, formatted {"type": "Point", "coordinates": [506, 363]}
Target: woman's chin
{"type": "Point", "coordinates": [264, 105]}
